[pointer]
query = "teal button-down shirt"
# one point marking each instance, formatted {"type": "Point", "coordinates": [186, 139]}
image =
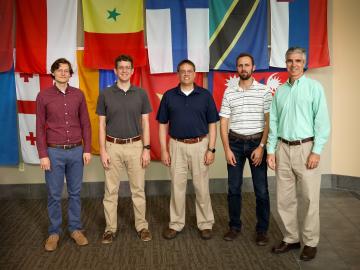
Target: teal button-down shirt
{"type": "Point", "coordinates": [297, 112]}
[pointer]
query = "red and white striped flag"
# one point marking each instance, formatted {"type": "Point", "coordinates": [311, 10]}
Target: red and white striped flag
{"type": "Point", "coordinates": [45, 31]}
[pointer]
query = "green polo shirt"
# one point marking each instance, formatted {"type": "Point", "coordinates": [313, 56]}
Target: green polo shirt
{"type": "Point", "coordinates": [297, 112]}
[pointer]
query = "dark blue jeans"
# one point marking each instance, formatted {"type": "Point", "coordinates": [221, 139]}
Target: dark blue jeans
{"type": "Point", "coordinates": [68, 164]}
{"type": "Point", "coordinates": [242, 150]}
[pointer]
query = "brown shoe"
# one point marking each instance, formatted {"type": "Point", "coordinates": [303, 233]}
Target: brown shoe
{"type": "Point", "coordinates": [231, 234]}
{"type": "Point", "coordinates": [261, 239]}
{"type": "Point", "coordinates": [206, 234]}
{"type": "Point", "coordinates": [308, 253]}
{"type": "Point", "coordinates": [170, 233]}
{"type": "Point", "coordinates": [145, 235]}
{"type": "Point", "coordinates": [108, 237]}
{"type": "Point", "coordinates": [79, 238]}
{"type": "Point", "coordinates": [285, 247]}
{"type": "Point", "coordinates": [52, 242]}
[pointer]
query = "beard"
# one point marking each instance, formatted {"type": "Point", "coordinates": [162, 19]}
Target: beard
{"type": "Point", "coordinates": [245, 76]}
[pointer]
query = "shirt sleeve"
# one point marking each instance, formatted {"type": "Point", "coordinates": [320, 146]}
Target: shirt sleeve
{"type": "Point", "coordinates": [273, 131]}
{"type": "Point", "coordinates": [146, 107]}
{"type": "Point", "coordinates": [267, 101]}
{"type": "Point", "coordinates": [100, 108]}
{"type": "Point", "coordinates": [85, 124]}
{"type": "Point", "coordinates": [163, 113]}
{"type": "Point", "coordinates": [321, 120]}
{"type": "Point", "coordinates": [212, 115]}
{"type": "Point", "coordinates": [225, 110]}
{"type": "Point", "coordinates": [41, 127]}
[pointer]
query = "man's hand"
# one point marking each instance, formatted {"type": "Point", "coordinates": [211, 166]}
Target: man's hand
{"type": "Point", "coordinates": [105, 159]}
{"type": "Point", "coordinates": [86, 158]}
{"type": "Point", "coordinates": [313, 161]}
{"type": "Point", "coordinates": [145, 158]}
{"type": "Point", "coordinates": [271, 161]}
{"type": "Point", "coordinates": [209, 158]}
{"type": "Point", "coordinates": [45, 164]}
{"type": "Point", "coordinates": [165, 158]}
{"type": "Point", "coordinates": [230, 158]}
{"type": "Point", "coordinates": [257, 156]}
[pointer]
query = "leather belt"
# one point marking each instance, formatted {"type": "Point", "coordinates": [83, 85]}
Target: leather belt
{"type": "Point", "coordinates": [234, 135]}
{"type": "Point", "coordinates": [64, 146]}
{"type": "Point", "coordinates": [191, 140]}
{"type": "Point", "coordinates": [298, 142]}
{"type": "Point", "coordinates": [122, 141]}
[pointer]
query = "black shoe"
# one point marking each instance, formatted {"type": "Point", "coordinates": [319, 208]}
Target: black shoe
{"type": "Point", "coordinates": [285, 247]}
{"type": "Point", "coordinates": [231, 234]}
{"type": "Point", "coordinates": [261, 239]}
{"type": "Point", "coordinates": [308, 253]}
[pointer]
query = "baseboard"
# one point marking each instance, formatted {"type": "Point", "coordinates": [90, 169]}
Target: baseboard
{"type": "Point", "coordinates": [162, 187]}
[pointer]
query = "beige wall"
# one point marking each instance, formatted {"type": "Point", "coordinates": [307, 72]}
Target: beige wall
{"type": "Point", "coordinates": [345, 144]}
{"type": "Point", "coordinates": [340, 155]}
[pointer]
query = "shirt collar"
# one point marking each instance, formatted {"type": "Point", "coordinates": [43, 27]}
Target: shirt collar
{"type": "Point", "coordinates": [195, 91]}
{"type": "Point", "coordinates": [68, 88]}
{"type": "Point", "coordinates": [302, 78]}
{"type": "Point", "coordinates": [252, 86]}
{"type": "Point", "coordinates": [115, 88]}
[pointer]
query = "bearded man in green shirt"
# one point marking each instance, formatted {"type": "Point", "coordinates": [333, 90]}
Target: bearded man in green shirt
{"type": "Point", "coordinates": [299, 129]}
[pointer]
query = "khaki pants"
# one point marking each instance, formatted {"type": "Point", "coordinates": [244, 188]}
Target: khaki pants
{"type": "Point", "coordinates": [185, 157]}
{"type": "Point", "coordinates": [125, 157]}
{"type": "Point", "coordinates": [290, 173]}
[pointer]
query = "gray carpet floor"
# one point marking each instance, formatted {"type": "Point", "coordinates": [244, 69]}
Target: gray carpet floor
{"type": "Point", "coordinates": [23, 229]}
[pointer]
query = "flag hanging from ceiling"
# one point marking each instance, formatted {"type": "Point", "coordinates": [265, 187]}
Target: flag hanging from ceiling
{"type": "Point", "coordinates": [237, 27]}
{"type": "Point", "coordinates": [156, 85]}
{"type": "Point", "coordinates": [9, 154]}
{"type": "Point", "coordinates": [300, 23]}
{"type": "Point", "coordinates": [219, 81]}
{"type": "Point", "coordinates": [113, 28]}
{"type": "Point", "coordinates": [6, 41]}
{"type": "Point", "coordinates": [177, 30]}
{"type": "Point", "coordinates": [45, 31]}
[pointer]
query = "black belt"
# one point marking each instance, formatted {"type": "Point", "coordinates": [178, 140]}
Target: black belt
{"type": "Point", "coordinates": [298, 142]}
{"type": "Point", "coordinates": [122, 141]}
{"type": "Point", "coordinates": [234, 135]}
{"type": "Point", "coordinates": [64, 146]}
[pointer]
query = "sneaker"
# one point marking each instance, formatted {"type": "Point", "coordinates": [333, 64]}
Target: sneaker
{"type": "Point", "coordinates": [108, 237]}
{"type": "Point", "coordinates": [145, 235]}
{"type": "Point", "coordinates": [79, 238]}
{"type": "Point", "coordinates": [52, 242]}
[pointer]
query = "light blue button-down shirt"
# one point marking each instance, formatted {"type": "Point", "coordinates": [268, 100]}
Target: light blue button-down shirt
{"type": "Point", "coordinates": [297, 112]}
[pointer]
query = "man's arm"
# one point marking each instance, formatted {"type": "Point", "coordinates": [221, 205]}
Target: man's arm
{"type": "Point", "coordinates": [165, 157]}
{"type": "Point", "coordinates": [224, 128]}
{"type": "Point", "coordinates": [145, 156]}
{"type": "Point", "coordinates": [257, 154]}
{"type": "Point", "coordinates": [86, 130]}
{"type": "Point", "coordinates": [210, 156]}
{"type": "Point", "coordinates": [41, 134]}
{"type": "Point", "coordinates": [105, 159]}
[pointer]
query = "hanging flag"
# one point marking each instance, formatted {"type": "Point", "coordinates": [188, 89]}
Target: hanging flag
{"type": "Point", "coordinates": [177, 30]}
{"type": "Point", "coordinates": [237, 27]}
{"type": "Point", "coordinates": [156, 85]}
{"type": "Point", "coordinates": [219, 81]}
{"type": "Point", "coordinates": [6, 41]}
{"type": "Point", "coordinates": [45, 31]}
{"type": "Point", "coordinates": [9, 154]}
{"type": "Point", "coordinates": [113, 28]}
{"type": "Point", "coordinates": [300, 23]}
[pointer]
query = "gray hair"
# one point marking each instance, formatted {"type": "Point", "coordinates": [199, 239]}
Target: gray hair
{"type": "Point", "coordinates": [296, 50]}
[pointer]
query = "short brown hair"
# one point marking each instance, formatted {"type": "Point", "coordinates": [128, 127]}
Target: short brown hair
{"type": "Point", "coordinates": [124, 57]}
{"type": "Point", "coordinates": [57, 63]}
{"type": "Point", "coordinates": [185, 61]}
{"type": "Point", "coordinates": [244, 55]}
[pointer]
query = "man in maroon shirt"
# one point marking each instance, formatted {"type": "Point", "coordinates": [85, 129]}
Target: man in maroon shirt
{"type": "Point", "coordinates": [63, 140]}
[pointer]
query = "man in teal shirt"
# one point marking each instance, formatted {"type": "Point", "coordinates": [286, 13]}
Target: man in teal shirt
{"type": "Point", "coordinates": [299, 128]}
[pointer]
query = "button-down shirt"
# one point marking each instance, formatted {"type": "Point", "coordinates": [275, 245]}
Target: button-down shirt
{"type": "Point", "coordinates": [188, 116]}
{"type": "Point", "coordinates": [61, 119]}
{"type": "Point", "coordinates": [297, 112]}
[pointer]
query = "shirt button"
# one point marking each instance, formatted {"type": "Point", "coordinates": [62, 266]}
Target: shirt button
{"type": "Point", "coordinates": [67, 122]}
{"type": "Point", "coordinates": [66, 113]}
{"type": "Point", "coordinates": [65, 104]}
{"type": "Point", "coordinates": [67, 131]}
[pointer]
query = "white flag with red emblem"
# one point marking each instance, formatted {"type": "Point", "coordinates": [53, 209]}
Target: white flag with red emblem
{"type": "Point", "coordinates": [27, 89]}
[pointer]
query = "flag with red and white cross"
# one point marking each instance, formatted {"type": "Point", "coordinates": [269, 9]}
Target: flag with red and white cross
{"type": "Point", "coordinates": [27, 88]}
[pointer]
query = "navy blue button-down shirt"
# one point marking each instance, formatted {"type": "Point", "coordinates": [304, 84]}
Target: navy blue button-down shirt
{"type": "Point", "coordinates": [188, 116]}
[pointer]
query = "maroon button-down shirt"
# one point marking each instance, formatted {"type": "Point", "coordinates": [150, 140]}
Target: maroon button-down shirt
{"type": "Point", "coordinates": [62, 119]}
